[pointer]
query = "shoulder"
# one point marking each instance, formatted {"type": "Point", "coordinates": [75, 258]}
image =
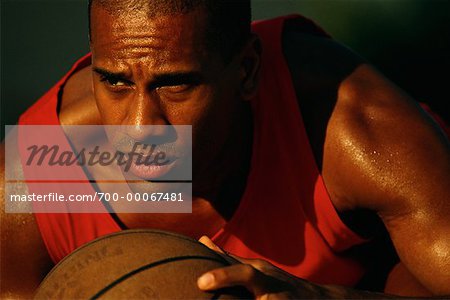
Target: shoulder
{"type": "Point", "coordinates": [369, 137]}
{"type": "Point", "coordinates": [382, 150]}
{"type": "Point", "coordinates": [385, 154]}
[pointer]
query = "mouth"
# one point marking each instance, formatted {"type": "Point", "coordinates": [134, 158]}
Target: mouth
{"type": "Point", "coordinates": [148, 168]}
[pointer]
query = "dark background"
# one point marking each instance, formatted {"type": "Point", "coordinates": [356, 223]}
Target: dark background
{"type": "Point", "coordinates": [408, 40]}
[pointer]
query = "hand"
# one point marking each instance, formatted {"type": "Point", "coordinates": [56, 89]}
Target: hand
{"type": "Point", "coordinates": [260, 277]}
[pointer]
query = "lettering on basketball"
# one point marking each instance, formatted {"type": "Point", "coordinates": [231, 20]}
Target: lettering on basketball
{"type": "Point", "coordinates": [58, 287]}
{"type": "Point", "coordinates": [145, 292]}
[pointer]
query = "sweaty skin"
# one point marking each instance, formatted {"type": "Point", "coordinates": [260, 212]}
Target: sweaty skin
{"type": "Point", "coordinates": [376, 148]}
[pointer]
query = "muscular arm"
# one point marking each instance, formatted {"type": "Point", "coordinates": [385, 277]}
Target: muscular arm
{"type": "Point", "coordinates": [383, 153]}
{"type": "Point", "coordinates": [24, 259]}
{"type": "Point", "coordinates": [378, 151]}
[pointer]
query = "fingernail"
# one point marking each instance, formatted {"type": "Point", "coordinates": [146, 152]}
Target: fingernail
{"type": "Point", "coordinates": [205, 281]}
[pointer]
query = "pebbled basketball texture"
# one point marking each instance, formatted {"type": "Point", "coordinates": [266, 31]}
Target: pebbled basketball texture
{"type": "Point", "coordinates": [136, 264]}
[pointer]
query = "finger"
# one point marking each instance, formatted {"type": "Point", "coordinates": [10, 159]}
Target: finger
{"type": "Point", "coordinates": [210, 244]}
{"type": "Point", "coordinates": [264, 267]}
{"type": "Point", "coordinates": [243, 260]}
{"type": "Point", "coordinates": [225, 255]}
{"type": "Point", "coordinates": [258, 264]}
{"type": "Point", "coordinates": [235, 275]}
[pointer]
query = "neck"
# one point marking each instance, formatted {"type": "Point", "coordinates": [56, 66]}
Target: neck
{"type": "Point", "coordinates": [224, 191]}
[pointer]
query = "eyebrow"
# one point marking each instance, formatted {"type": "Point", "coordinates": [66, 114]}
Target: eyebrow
{"type": "Point", "coordinates": [176, 78]}
{"type": "Point", "coordinates": [109, 73]}
{"type": "Point", "coordinates": [159, 80]}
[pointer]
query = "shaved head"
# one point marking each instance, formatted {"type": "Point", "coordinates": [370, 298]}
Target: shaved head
{"type": "Point", "coordinates": [151, 7]}
{"type": "Point", "coordinates": [229, 20]}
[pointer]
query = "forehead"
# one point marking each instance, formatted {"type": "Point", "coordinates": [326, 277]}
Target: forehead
{"type": "Point", "coordinates": [125, 36]}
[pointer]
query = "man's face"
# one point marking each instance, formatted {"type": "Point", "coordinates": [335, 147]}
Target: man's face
{"type": "Point", "coordinates": [160, 71]}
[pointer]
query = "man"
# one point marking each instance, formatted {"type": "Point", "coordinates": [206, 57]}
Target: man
{"type": "Point", "coordinates": [380, 156]}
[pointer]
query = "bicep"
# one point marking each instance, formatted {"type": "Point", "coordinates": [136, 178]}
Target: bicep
{"type": "Point", "coordinates": [24, 258]}
{"type": "Point", "coordinates": [401, 282]}
{"type": "Point", "coordinates": [384, 153]}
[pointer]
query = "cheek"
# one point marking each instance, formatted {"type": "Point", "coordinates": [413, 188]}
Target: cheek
{"type": "Point", "coordinates": [192, 110]}
{"type": "Point", "coordinates": [112, 111]}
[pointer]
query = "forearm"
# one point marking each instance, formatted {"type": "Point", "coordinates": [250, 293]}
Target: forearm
{"type": "Point", "coordinates": [341, 292]}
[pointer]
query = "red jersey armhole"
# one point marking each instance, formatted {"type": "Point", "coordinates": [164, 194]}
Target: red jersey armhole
{"type": "Point", "coordinates": [323, 213]}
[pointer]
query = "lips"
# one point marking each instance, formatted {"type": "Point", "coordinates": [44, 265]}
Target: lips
{"type": "Point", "coordinates": [148, 171]}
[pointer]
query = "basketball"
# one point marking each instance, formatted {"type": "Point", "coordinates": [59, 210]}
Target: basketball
{"type": "Point", "coordinates": [136, 264]}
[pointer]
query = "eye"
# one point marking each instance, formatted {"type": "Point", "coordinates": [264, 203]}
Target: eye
{"type": "Point", "coordinates": [114, 81]}
{"type": "Point", "coordinates": [176, 89]}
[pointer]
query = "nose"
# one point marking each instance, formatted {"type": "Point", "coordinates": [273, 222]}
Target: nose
{"type": "Point", "coordinates": [145, 119]}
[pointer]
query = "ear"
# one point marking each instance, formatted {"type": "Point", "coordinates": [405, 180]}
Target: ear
{"type": "Point", "coordinates": [250, 65]}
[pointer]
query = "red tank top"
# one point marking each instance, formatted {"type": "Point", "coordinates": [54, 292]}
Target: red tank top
{"type": "Point", "coordinates": [285, 216]}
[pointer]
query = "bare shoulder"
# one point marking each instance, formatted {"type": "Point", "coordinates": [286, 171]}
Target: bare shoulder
{"type": "Point", "coordinates": [382, 151]}
{"type": "Point", "coordinates": [385, 154]}
{"type": "Point", "coordinates": [24, 258]}
{"type": "Point", "coordinates": [367, 134]}
{"type": "Point", "coordinates": [77, 103]}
